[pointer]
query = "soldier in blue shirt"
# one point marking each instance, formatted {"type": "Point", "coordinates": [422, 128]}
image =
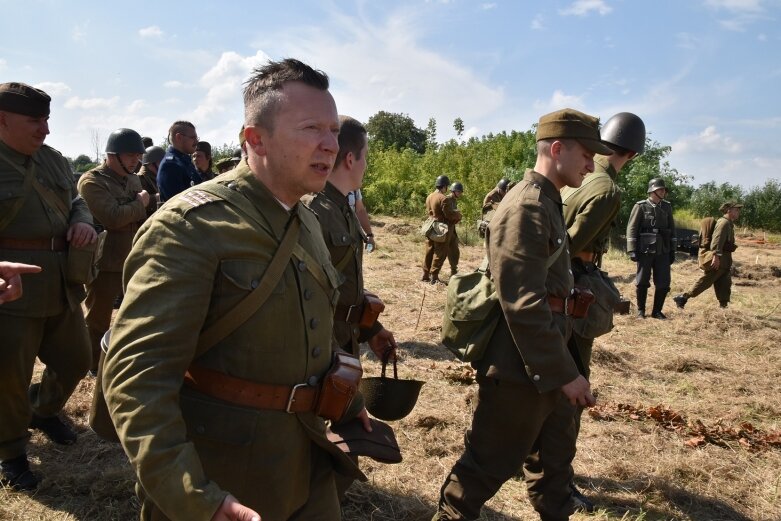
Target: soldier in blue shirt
{"type": "Point", "coordinates": [177, 172]}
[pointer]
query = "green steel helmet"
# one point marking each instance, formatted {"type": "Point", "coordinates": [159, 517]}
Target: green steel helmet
{"type": "Point", "coordinates": [625, 130]}
{"type": "Point", "coordinates": [457, 187]}
{"type": "Point", "coordinates": [503, 184]}
{"type": "Point", "coordinates": [152, 155]}
{"type": "Point", "coordinates": [655, 184]}
{"type": "Point", "coordinates": [442, 181]}
{"type": "Point", "coordinates": [124, 141]}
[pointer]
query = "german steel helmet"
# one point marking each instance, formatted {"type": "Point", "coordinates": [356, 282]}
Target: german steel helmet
{"type": "Point", "coordinates": [655, 184]}
{"type": "Point", "coordinates": [442, 181]}
{"type": "Point", "coordinates": [152, 155]}
{"type": "Point", "coordinates": [625, 130]}
{"type": "Point", "coordinates": [124, 141]}
{"type": "Point", "coordinates": [456, 187]}
{"type": "Point", "coordinates": [390, 399]}
{"type": "Point", "coordinates": [503, 184]}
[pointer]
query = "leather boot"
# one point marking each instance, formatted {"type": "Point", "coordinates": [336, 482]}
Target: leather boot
{"type": "Point", "coordinates": [426, 277]}
{"type": "Point", "coordinates": [656, 312]}
{"type": "Point", "coordinates": [54, 429]}
{"type": "Point", "coordinates": [642, 294]}
{"type": "Point", "coordinates": [16, 474]}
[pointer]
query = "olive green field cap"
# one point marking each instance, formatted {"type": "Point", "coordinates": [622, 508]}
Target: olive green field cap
{"type": "Point", "coordinates": [729, 205]}
{"type": "Point", "coordinates": [573, 124]}
{"type": "Point", "coordinates": [23, 99]}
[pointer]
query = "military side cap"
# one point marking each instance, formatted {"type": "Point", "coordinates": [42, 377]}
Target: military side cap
{"type": "Point", "coordinates": [573, 124]}
{"type": "Point", "coordinates": [729, 205]}
{"type": "Point", "coordinates": [21, 98]}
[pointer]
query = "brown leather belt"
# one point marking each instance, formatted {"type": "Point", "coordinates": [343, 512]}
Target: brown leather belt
{"type": "Point", "coordinates": [50, 244]}
{"type": "Point", "coordinates": [586, 256]}
{"type": "Point", "coordinates": [561, 305]}
{"type": "Point", "coordinates": [288, 398]}
{"type": "Point", "coordinates": [351, 314]}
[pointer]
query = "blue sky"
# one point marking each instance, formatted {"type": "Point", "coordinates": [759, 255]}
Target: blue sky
{"type": "Point", "coordinates": [703, 74]}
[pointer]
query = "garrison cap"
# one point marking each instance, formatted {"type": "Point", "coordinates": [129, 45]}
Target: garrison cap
{"type": "Point", "coordinates": [21, 98]}
{"type": "Point", "coordinates": [729, 205]}
{"type": "Point", "coordinates": [573, 124]}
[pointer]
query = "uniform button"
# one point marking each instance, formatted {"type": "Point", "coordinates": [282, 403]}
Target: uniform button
{"type": "Point", "coordinates": [356, 330]}
{"type": "Point", "coordinates": [200, 429]}
{"type": "Point", "coordinates": [233, 185]}
{"type": "Point", "coordinates": [307, 294]}
{"type": "Point", "coordinates": [314, 323]}
{"type": "Point", "coordinates": [312, 380]}
{"type": "Point", "coordinates": [536, 378]}
{"type": "Point", "coordinates": [344, 238]}
{"type": "Point", "coordinates": [570, 272]}
{"type": "Point", "coordinates": [558, 241]}
{"type": "Point", "coordinates": [301, 266]}
{"type": "Point", "coordinates": [316, 352]}
{"type": "Point", "coordinates": [567, 251]}
{"type": "Point", "coordinates": [254, 283]}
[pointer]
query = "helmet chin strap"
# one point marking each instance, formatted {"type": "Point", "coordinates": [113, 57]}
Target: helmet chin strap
{"type": "Point", "coordinates": [122, 164]}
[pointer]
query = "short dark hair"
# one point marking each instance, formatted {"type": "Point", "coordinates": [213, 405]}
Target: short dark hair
{"type": "Point", "coordinates": [262, 89]}
{"type": "Point", "coordinates": [177, 128]}
{"type": "Point", "coordinates": [352, 138]}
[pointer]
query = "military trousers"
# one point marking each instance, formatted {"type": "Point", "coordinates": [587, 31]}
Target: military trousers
{"type": "Point", "coordinates": [656, 265]}
{"type": "Point", "coordinates": [100, 305]}
{"type": "Point", "coordinates": [62, 344]}
{"type": "Point", "coordinates": [720, 279]}
{"type": "Point", "coordinates": [453, 253]}
{"type": "Point", "coordinates": [434, 256]}
{"type": "Point", "coordinates": [510, 421]}
{"type": "Point", "coordinates": [321, 505]}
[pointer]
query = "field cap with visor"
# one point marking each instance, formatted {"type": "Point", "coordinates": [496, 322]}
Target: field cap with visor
{"type": "Point", "coordinates": [23, 99]}
{"type": "Point", "coordinates": [729, 205]}
{"type": "Point", "coordinates": [573, 124]}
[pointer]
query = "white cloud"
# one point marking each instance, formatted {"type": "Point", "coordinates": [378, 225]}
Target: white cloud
{"type": "Point", "coordinates": [584, 7]}
{"type": "Point", "coordinates": [137, 105]}
{"type": "Point", "coordinates": [53, 88]}
{"type": "Point", "coordinates": [173, 84]}
{"type": "Point", "coordinates": [152, 31]}
{"type": "Point", "coordinates": [91, 103]}
{"type": "Point", "coordinates": [559, 100]}
{"type": "Point", "coordinates": [537, 23]}
{"type": "Point", "coordinates": [708, 139]}
{"type": "Point", "coordinates": [736, 6]}
{"type": "Point", "coordinates": [79, 32]}
{"type": "Point", "coordinates": [487, 6]}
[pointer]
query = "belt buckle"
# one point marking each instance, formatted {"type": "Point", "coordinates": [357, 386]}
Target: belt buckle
{"type": "Point", "coordinates": [349, 317]}
{"type": "Point", "coordinates": [292, 398]}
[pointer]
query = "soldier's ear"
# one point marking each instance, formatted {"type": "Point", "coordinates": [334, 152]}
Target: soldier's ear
{"type": "Point", "coordinates": [256, 139]}
{"type": "Point", "coordinates": [349, 160]}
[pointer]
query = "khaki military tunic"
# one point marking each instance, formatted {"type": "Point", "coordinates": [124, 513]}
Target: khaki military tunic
{"type": "Point", "coordinates": [46, 322]}
{"type": "Point", "coordinates": [192, 262]}
{"type": "Point", "coordinates": [149, 183]}
{"type": "Point", "coordinates": [526, 362]}
{"type": "Point", "coordinates": [453, 217]}
{"type": "Point", "coordinates": [344, 239]}
{"type": "Point", "coordinates": [492, 200]}
{"type": "Point", "coordinates": [435, 253]}
{"type": "Point", "coordinates": [722, 245]}
{"type": "Point", "coordinates": [112, 200]}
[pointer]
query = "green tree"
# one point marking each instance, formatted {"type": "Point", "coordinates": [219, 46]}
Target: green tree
{"type": "Point", "coordinates": [395, 131]}
{"type": "Point", "coordinates": [706, 198]}
{"type": "Point", "coordinates": [431, 134]}
{"type": "Point", "coordinates": [458, 126]}
{"type": "Point", "coordinates": [763, 207]}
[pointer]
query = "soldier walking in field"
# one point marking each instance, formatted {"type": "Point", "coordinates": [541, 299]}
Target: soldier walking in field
{"type": "Point", "coordinates": [715, 259]}
{"type": "Point", "coordinates": [435, 252]}
{"type": "Point", "coordinates": [527, 366]}
{"type": "Point", "coordinates": [41, 216]}
{"type": "Point", "coordinates": [651, 242]}
{"type": "Point", "coordinates": [453, 216]}
{"type": "Point", "coordinates": [218, 400]}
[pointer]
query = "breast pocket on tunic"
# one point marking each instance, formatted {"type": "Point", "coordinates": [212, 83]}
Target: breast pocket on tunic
{"type": "Point", "coordinates": [238, 277]}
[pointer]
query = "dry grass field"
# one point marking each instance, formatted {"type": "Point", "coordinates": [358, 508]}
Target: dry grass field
{"type": "Point", "coordinates": [688, 424]}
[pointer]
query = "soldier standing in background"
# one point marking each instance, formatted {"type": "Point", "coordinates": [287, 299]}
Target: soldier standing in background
{"type": "Point", "coordinates": [650, 242]}
{"type": "Point", "coordinates": [40, 218]}
{"type": "Point", "coordinates": [495, 196]}
{"type": "Point", "coordinates": [435, 253]}
{"type": "Point", "coordinates": [150, 162]}
{"type": "Point", "coordinates": [526, 365]}
{"type": "Point", "coordinates": [114, 195]}
{"type": "Point", "coordinates": [177, 172]}
{"type": "Point", "coordinates": [590, 213]}
{"type": "Point", "coordinates": [453, 217]}
{"type": "Point", "coordinates": [240, 439]}
{"type": "Point", "coordinates": [202, 159]}
{"type": "Point", "coordinates": [716, 259]}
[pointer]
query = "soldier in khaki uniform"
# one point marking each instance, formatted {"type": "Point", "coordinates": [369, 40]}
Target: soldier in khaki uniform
{"type": "Point", "coordinates": [150, 162]}
{"type": "Point", "coordinates": [589, 214]}
{"type": "Point", "coordinates": [118, 203]}
{"type": "Point", "coordinates": [494, 197]}
{"type": "Point", "coordinates": [716, 260]}
{"type": "Point", "coordinates": [435, 253]}
{"type": "Point", "coordinates": [651, 242]}
{"type": "Point", "coordinates": [453, 217]}
{"type": "Point", "coordinates": [40, 215]}
{"type": "Point", "coordinates": [526, 365]}
{"type": "Point", "coordinates": [345, 238]}
{"type": "Point", "coordinates": [197, 452]}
